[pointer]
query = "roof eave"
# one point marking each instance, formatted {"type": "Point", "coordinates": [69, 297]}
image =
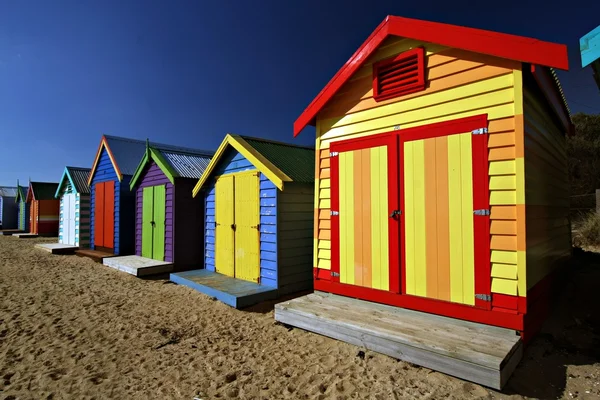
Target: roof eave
{"type": "Point", "coordinates": [471, 39]}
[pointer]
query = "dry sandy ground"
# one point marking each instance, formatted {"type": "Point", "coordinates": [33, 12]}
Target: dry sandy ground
{"type": "Point", "coordinates": [73, 329]}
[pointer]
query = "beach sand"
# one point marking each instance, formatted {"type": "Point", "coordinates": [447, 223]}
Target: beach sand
{"type": "Point", "coordinates": [74, 329]}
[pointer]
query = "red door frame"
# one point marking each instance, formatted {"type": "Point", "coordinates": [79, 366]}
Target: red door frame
{"type": "Point", "coordinates": [481, 312]}
{"type": "Point", "coordinates": [390, 140]}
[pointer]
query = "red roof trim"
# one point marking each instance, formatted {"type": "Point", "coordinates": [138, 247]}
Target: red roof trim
{"type": "Point", "coordinates": [497, 44]}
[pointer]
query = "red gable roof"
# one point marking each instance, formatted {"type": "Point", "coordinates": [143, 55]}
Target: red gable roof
{"type": "Point", "coordinates": [501, 45]}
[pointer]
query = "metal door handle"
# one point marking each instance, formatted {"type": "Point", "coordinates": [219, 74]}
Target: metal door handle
{"type": "Point", "coordinates": [255, 226]}
{"type": "Point", "coordinates": [394, 213]}
{"type": "Point", "coordinates": [233, 226]}
{"type": "Point", "coordinates": [153, 223]}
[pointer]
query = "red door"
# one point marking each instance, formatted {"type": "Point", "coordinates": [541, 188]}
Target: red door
{"type": "Point", "coordinates": [104, 215]}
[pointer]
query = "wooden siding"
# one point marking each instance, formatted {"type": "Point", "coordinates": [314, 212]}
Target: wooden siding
{"type": "Point", "coordinates": [460, 84]}
{"type": "Point", "coordinates": [294, 243]}
{"type": "Point", "coordinates": [153, 176]}
{"type": "Point", "coordinates": [104, 173]}
{"type": "Point", "coordinates": [188, 226]}
{"type": "Point", "coordinates": [546, 189]}
{"type": "Point", "coordinates": [23, 216]}
{"type": "Point", "coordinates": [47, 217]}
{"type": "Point", "coordinates": [125, 217]}
{"type": "Point", "coordinates": [82, 217]}
{"type": "Point", "coordinates": [233, 162]}
{"type": "Point", "coordinates": [9, 210]}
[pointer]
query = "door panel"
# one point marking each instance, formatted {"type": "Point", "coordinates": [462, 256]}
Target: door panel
{"type": "Point", "coordinates": [109, 214]}
{"type": "Point", "coordinates": [147, 211]}
{"type": "Point", "coordinates": [439, 228]}
{"type": "Point", "coordinates": [158, 240]}
{"type": "Point", "coordinates": [72, 218]}
{"type": "Point", "coordinates": [365, 233]}
{"type": "Point", "coordinates": [224, 221]}
{"type": "Point", "coordinates": [247, 236]}
{"type": "Point", "coordinates": [99, 215]}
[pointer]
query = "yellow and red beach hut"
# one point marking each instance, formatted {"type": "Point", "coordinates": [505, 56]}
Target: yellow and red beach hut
{"type": "Point", "coordinates": [441, 175]}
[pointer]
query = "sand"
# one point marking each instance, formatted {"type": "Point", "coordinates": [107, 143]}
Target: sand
{"type": "Point", "coordinates": [74, 329]}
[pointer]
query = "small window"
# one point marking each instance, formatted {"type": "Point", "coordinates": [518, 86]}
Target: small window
{"type": "Point", "coordinates": [399, 75]}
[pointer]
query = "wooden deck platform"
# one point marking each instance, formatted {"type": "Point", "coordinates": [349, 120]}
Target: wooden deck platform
{"type": "Point", "coordinates": [138, 266]}
{"type": "Point", "coordinates": [234, 292]}
{"type": "Point", "coordinates": [57, 248]}
{"type": "Point", "coordinates": [10, 232]}
{"type": "Point", "coordinates": [24, 235]}
{"type": "Point", "coordinates": [475, 352]}
{"type": "Point", "coordinates": [95, 255]}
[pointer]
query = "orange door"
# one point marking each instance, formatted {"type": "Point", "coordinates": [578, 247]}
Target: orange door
{"type": "Point", "coordinates": [104, 215]}
{"type": "Point", "coordinates": [33, 217]}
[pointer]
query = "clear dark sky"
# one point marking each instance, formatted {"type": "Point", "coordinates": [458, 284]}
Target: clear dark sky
{"type": "Point", "coordinates": [187, 72]}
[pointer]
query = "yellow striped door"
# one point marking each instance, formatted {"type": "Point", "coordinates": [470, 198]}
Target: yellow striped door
{"type": "Point", "coordinates": [438, 212]}
{"type": "Point", "coordinates": [247, 219]}
{"type": "Point", "coordinates": [364, 218]}
{"type": "Point", "coordinates": [224, 232]}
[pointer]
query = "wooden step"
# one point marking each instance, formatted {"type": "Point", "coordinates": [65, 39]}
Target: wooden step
{"type": "Point", "coordinates": [95, 255]}
{"type": "Point", "coordinates": [479, 353]}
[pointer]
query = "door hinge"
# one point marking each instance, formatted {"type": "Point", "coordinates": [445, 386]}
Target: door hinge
{"type": "Point", "coordinates": [334, 154]}
{"type": "Point", "coordinates": [484, 297]}
{"type": "Point", "coordinates": [481, 212]}
{"type": "Point", "coordinates": [479, 131]}
{"type": "Point", "coordinates": [334, 213]}
{"type": "Point", "coordinates": [335, 273]}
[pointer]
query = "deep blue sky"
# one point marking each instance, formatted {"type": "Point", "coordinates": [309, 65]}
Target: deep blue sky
{"type": "Point", "coordinates": [187, 72]}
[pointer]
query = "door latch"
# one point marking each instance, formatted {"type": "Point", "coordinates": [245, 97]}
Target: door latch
{"type": "Point", "coordinates": [233, 226]}
{"type": "Point", "coordinates": [394, 213]}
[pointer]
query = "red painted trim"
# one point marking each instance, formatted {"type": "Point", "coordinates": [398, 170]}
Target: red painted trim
{"type": "Point", "coordinates": [548, 85]}
{"type": "Point", "coordinates": [455, 126]}
{"type": "Point", "coordinates": [522, 304]}
{"type": "Point", "coordinates": [319, 273]}
{"type": "Point", "coordinates": [402, 260]}
{"type": "Point", "coordinates": [505, 301]}
{"type": "Point", "coordinates": [412, 87]}
{"type": "Point", "coordinates": [481, 223]}
{"type": "Point", "coordinates": [501, 45]}
{"type": "Point", "coordinates": [390, 140]}
{"type": "Point", "coordinates": [334, 165]}
{"type": "Point", "coordinates": [505, 320]}
{"type": "Point", "coordinates": [395, 241]}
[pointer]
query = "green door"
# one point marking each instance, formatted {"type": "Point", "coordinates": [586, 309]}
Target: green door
{"type": "Point", "coordinates": [153, 222]}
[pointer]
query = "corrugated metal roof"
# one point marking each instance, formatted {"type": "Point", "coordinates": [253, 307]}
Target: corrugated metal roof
{"type": "Point", "coordinates": [188, 164]}
{"type": "Point", "coordinates": [128, 152]}
{"type": "Point", "coordinates": [8, 191]}
{"type": "Point", "coordinates": [562, 94]}
{"type": "Point", "coordinates": [297, 162]}
{"type": "Point", "coordinates": [80, 177]}
{"type": "Point", "coordinates": [44, 190]}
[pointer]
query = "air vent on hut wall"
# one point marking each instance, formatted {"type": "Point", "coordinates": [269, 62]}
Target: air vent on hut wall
{"type": "Point", "coordinates": [399, 75]}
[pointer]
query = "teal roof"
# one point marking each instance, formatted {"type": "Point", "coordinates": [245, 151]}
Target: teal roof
{"type": "Point", "coordinates": [297, 162]}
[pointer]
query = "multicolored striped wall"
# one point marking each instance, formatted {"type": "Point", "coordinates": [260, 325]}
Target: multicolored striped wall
{"type": "Point", "coordinates": [152, 177]}
{"type": "Point", "coordinates": [23, 216]}
{"type": "Point", "coordinates": [460, 84]}
{"type": "Point", "coordinates": [82, 217]}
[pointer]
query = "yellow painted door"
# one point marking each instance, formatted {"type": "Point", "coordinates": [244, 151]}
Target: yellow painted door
{"type": "Point", "coordinates": [363, 182]}
{"type": "Point", "coordinates": [247, 233]}
{"type": "Point", "coordinates": [225, 225]}
{"type": "Point", "coordinates": [438, 212]}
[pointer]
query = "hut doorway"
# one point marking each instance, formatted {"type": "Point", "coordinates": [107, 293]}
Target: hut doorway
{"type": "Point", "coordinates": [154, 220]}
{"type": "Point", "coordinates": [69, 216]}
{"type": "Point", "coordinates": [237, 233]}
{"type": "Point", "coordinates": [104, 216]}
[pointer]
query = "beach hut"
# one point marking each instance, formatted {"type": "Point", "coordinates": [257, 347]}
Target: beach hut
{"type": "Point", "coordinates": [442, 188]}
{"type": "Point", "coordinates": [23, 213]}
{"type": "Point", "coordinates": [168, 220]}
{"type": "Point", "coordinates": [589, 46]}
{"type": "Point", "coordinates": [257, 197]}
{"type": "Point", "coordinates": [9, 209]}
{"type": "Point", "coordinates": [43, 208]}
{"type": "Point", "coordinates": [74, 194]}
